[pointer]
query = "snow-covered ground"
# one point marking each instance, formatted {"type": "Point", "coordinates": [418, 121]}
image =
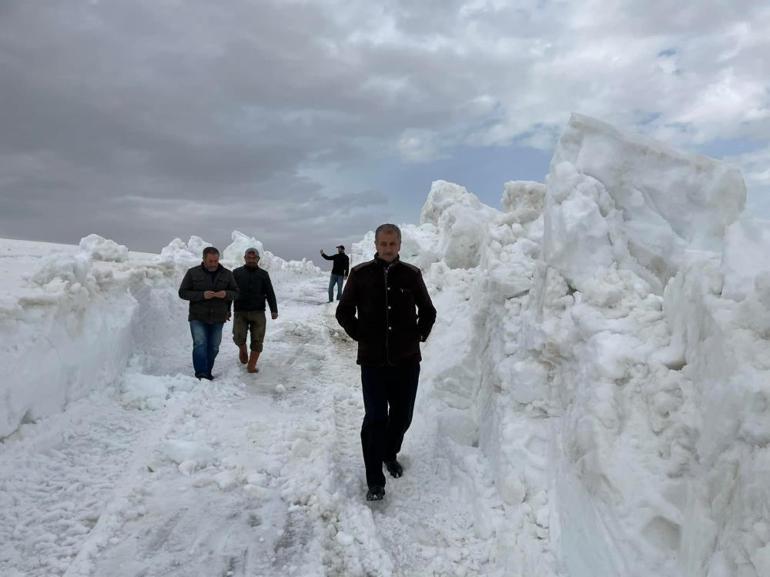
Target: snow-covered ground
{"type": "Point", "coordinates": [594, 399]}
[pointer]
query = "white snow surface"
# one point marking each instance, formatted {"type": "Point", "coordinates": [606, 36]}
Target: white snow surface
{"type": "Point", "coordinates": [594, 397]}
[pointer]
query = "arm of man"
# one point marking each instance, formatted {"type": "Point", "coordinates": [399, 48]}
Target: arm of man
{"type": "Point", "coordinates": [186, 291]}
{"type": "Point", "coordinates": [346, 309]}
{"type": "Point", "coordinates": [347, 267]}
{"type": "Point", "coordinates": [327, 257]}
{"type": "Point", "coordinates": [270, 293]}
{"type": "Point", "coordinates": [426, 312]}
{"type": "Point", "coordinates": [232, 291]}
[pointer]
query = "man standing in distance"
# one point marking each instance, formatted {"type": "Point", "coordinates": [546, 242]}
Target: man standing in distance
{"type": "Point", "coordinates": [339, 270]}
{"type": "Point", "coordinates": [255, 287]}
{"type": "Point", "coordinates": [386, 308]}
{"type": "Point", "coordinates": [210, 288]}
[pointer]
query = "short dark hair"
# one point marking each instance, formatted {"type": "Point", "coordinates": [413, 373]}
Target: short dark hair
{"type": "Point", "coordinates": [387, 227]}
{"type": "Point", "coordinates": [210, 250]}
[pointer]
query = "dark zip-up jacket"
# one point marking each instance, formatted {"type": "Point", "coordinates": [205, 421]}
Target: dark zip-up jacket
{"type": "Point", "coordinates": [196, 281]}
{"type": "Point", "coordinates": [255, 286]}
{"type": "Point", "coordinates": [341, 264]}
{"type": "Point", "coordinates": [387, 309]}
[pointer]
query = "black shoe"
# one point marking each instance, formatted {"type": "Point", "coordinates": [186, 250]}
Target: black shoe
{"type": "Point", "coordinates": [207, 376]}
{"type": "Point", "coordinates": [394, 468]}
{"type": "Point", "coordinates": [375, 493]}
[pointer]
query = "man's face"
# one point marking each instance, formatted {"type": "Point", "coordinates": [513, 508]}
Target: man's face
{"type": "Point", "coordinates": [387, 245]}
{"type": "Point", "coordinates": [251, 259]}
{"type": "Point", "coordinates": [340, 250]}
{"type": "Point", "coordinates": [211, 261]}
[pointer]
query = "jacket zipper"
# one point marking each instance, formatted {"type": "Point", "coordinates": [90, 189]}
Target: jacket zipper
{"type": "Point", "coordinates": [387, 318]}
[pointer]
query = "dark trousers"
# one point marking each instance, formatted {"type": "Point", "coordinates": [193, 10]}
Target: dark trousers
{"type": "Point", "coordinates": [389, 394]}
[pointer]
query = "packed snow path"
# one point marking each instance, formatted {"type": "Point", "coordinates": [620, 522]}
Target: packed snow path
{"type": "Point", "coordinates": [248, 475]}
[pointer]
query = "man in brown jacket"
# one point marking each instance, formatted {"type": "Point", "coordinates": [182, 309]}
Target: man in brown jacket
{"type": "Point", "coordinates": [210, 288]}
{"type": "Point", "coordinates": [386, 308]}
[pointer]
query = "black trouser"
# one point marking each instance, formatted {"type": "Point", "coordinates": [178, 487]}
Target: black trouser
{"type": "Point", "coordinates": [389, 394]}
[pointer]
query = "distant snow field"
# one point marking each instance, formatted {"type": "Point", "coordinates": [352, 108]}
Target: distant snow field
{"type": "Point", "coordinates": [594, 398]}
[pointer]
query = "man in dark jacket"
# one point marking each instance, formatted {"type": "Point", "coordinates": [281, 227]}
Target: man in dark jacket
{"type": "Point", "coordinates": [255, 287]}
{"type": "Point", "coordinates": [339, 270]}
{"type": "Point", "coordinates": [210, 288]}
{"type": "Point", "coordinates": [386, 308]}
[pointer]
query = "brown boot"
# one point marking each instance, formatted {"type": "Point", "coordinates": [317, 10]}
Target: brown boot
{"type": "Point", "coordinates": [252, 366]}
{"type": "Point", "coordinates": [243, 354]}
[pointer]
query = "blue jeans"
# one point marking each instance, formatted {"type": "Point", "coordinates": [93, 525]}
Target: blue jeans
{"type": "Point", "coordinates": [335, 279]}
{"type": "Point", "coordinates": [206, 338]}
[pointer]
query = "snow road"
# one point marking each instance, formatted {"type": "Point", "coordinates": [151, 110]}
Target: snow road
{"type": "Point", "coordinates": [248, 475]}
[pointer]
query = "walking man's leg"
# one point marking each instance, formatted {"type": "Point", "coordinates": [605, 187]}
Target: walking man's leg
{"type": "Point", "coordinates": [402, 391]}
{"type": "Point", "coordinates": [200, 348]}
{"type": "Point", "coordinates": [257, 325]}
{"type": "Point", "coordinates": [373, 430]}
{"type": "Point", "coordinates": [240, 329]}
{"type": "Point", "coordinates": [214, 340]}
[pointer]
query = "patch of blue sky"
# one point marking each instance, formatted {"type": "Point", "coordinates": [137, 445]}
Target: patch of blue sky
{"type": "Point", "coordinates": [482, 170]}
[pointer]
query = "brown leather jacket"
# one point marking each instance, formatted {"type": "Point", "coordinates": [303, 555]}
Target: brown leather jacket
{"type": "Point", "coordinates": [387, 309]}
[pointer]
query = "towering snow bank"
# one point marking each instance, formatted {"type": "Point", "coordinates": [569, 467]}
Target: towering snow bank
{"type": "Point", "coordinates": [602, 341]}
{"type": "Point", "coordinates": [67, 329]}
{"type": "Point", "coordinates": [71, 317]}
{"type": "Point", "coordinates": [621, 199]}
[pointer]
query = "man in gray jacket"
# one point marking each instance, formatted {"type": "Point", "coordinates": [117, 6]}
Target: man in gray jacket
{"type": "Point", "coordinates": [210, 288]}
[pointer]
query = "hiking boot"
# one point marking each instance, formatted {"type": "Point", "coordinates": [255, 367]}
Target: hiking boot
{"type": "Point", "coordinates": [375, 493]}
{"type": "Point", "coordinates": [252, 366]}
{"type": "Point", "coordinates": [394, 468]}
{"type": "Point", "coordinates": [243, 354]}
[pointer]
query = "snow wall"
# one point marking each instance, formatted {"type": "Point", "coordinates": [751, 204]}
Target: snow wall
{"type": "Point", "coordinates": [80, 313]}
{"type": "Point", "coordinates": [602, 340]}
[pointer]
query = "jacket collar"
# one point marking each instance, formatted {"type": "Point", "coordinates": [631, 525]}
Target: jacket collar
{"type": "Point", "coordinates": [385, 264]}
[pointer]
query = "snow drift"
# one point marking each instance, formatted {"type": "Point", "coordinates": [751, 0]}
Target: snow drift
{"type": "Point", "coordinates": [604, 341]}
{"type": "Point", "coordinates": [601, 349]}
{"type": "Point", "coordinates": [73, 323]}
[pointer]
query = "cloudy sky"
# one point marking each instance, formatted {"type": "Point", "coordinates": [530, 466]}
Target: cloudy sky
{"type": "Point", "coordinates": [307, 123]}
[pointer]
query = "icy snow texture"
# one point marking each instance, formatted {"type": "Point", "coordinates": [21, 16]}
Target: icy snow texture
{"type": "Point", "coordinates": [597, 356]}
{"type": "Point", "coordinates": [73, 322]}
{"type": "Point", "coordinates": [189, 254]}
{"type": "Point", "coordinates": [100, 248]}
{"type": "Point", "coordinates": [601, 349]}
{"type": "Point", "coordinates": [615, 199]}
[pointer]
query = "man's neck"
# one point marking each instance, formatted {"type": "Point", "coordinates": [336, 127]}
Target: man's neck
{"type": "Point", "coordinates": [386, 262]}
